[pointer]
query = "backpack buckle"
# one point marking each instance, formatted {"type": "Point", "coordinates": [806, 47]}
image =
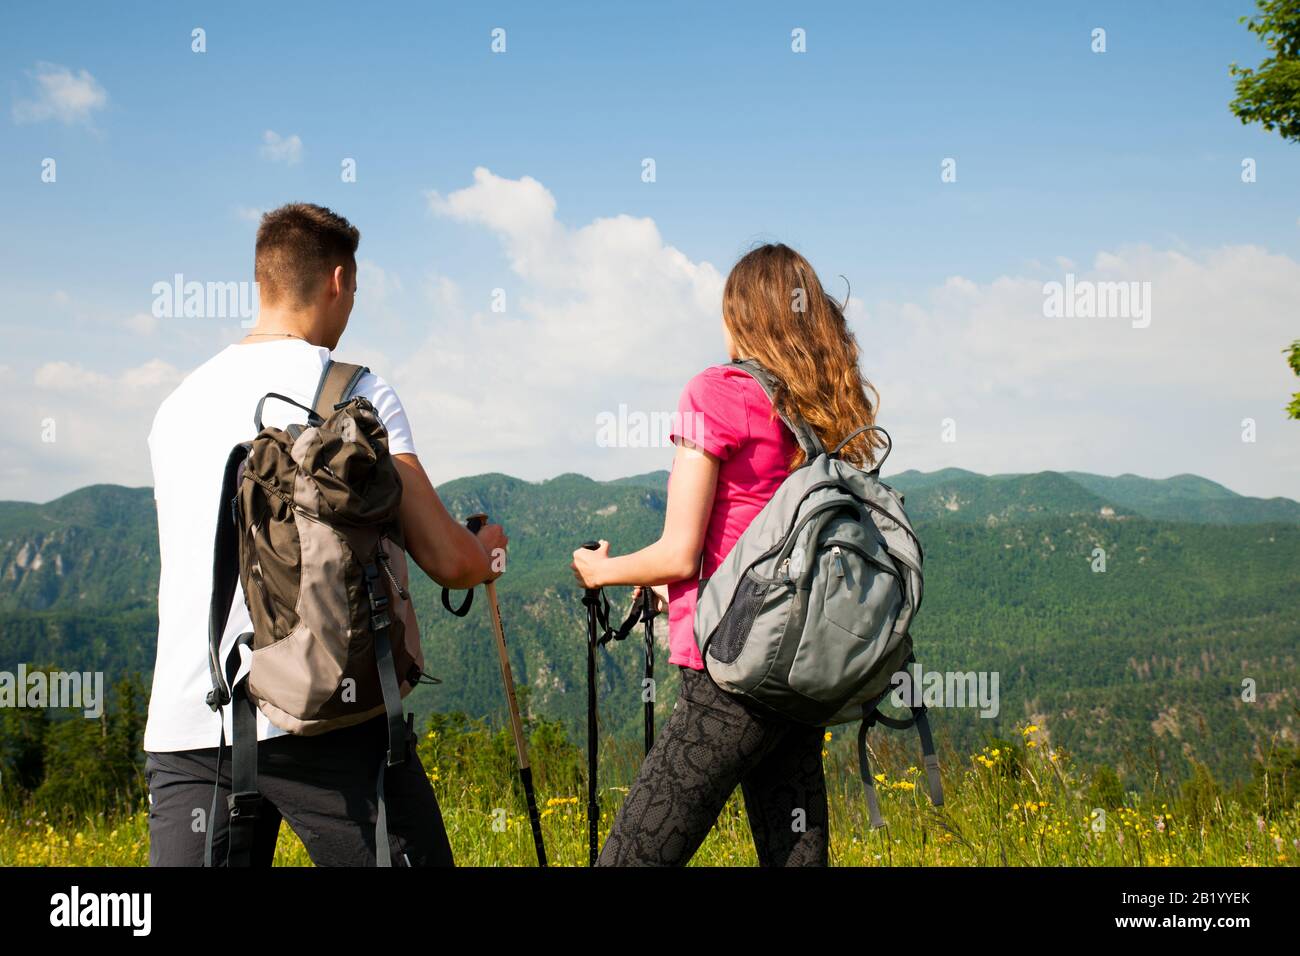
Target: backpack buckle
{"type": "Point", "coordinates": [378, 601]}
{"type": "Point", "coordinates": [244, 805]}
{"type": "Point", "coordinates": [216, 699]}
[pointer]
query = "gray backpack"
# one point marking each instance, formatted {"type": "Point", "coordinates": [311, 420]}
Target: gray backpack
{"type": "Point", "coordinates": [809, 615]}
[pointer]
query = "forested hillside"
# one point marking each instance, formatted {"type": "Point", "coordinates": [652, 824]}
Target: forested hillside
{"type": "Point", "coordinates": [1137, 665]}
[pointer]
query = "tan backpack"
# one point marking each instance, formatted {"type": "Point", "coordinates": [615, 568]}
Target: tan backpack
{"type": "Point", "coordinates": [308, 524]}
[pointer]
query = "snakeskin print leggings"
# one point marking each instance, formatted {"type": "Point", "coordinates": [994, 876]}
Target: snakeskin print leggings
{"type": "Point", "coordinates": [713, 742]}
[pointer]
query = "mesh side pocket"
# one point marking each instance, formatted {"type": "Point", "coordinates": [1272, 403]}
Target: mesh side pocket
{"type": "Point", "coordinates": [733, 630]}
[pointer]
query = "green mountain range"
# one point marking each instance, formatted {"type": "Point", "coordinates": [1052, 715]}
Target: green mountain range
{"type": "Point", "coordinates": [1140, 665]}
{"type": "Point", "coordinates": [956, 494]}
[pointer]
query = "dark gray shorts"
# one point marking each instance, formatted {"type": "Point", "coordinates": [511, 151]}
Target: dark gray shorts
{"type": "Point", "coordinates": [322, 786]}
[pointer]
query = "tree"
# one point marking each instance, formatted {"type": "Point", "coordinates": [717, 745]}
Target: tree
{"type": "Point", "coordinates": [1106, 790]}
{"type": "Point", "coordinates": [1277, 781]}
{"type": "Point", "coordinates": [22, 750]}
{"type": "Point", "coordinates": [87, 765]}
{"type": "Point", "coordinates": [1270, 95]}
{"type": "Point", "coordinates": [1293, 357]}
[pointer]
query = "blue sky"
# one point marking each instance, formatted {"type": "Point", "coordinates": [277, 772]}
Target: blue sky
{"type": "Point", "coordinates": [1124, 164]}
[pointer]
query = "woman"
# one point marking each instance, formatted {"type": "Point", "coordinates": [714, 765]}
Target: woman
{"type": "Point", "coordinates": [733, 452]}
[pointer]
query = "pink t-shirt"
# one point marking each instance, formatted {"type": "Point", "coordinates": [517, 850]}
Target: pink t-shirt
{"type": "Point", "coordinates": [725, 412]}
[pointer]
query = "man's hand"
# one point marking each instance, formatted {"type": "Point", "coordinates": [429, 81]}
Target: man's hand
{"type": "Point", "coordinates": [492, 538]}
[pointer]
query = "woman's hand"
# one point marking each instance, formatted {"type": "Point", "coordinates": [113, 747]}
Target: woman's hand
{"type": "Point", "coordinates": [660, 597]}
{"type": "Point", "coordinates": [587, 565]}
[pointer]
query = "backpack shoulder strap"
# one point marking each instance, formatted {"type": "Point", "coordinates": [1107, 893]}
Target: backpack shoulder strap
{"type": "Point", "coordinates": [337, 382]}
{"type": "Point", "coordinates": [808, 441]}
{"type": "Point", "coordinates": [225, 572]}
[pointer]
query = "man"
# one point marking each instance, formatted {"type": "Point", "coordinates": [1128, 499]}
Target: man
{"type": "Point", "coordinates": [323, 786]}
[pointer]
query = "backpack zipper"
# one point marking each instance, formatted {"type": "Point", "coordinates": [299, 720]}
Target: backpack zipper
{"type": "Point", "coordinates": [383, 562]}
{"type": "Point", "coordinates": [870, 504]}
{"type": "Point", "coordinates": [793, 536]}
{"type": "Point", "coordinates": [788, 542]}
{"type": "Point", "coordinates": [836, 546]}
{"type": "Point", "coordinates": [910, 533]}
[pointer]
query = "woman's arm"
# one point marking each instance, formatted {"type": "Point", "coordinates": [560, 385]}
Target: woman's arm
{"type": "Point", "coordinates": [676, 555]}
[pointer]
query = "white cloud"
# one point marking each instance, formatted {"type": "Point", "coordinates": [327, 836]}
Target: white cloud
{"type": "Point", "coordinates": [60, 94]}
{"type": "Point", "coordinates": [100, 422]}
{"type": "Point", "coordinates": [66, 377]}
{"type": "Point", "coordinates": [598, 315]}
{"type": "Point", "coordinates": [281, 149]}
{"type": "Point", "coordinates": [376, 283]}
{"type": "Point", "coordinates": [249, 213]}
{"type": "Point", "coordinates": [70, 377]}
{"type": "Point", "coordinates": [521, 211]}
{"type": "Point", "coordinates": [92, 312]}
{"type": "Point", "coordinates": [151, 377]}
{"type": "Point", "coordinates": [380, 310]}
{"type": "Point", "coordinates": [142, 323]}
{"type": "Point", "coordinates": [443, 294]}
{"type": "Point", "coordinates": [1030, 393]}
{"type": "Point", "coordinates": [608, 313]}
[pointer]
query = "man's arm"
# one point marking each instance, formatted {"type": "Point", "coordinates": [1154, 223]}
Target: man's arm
{"type": "Point", "coordinates": [443, 548]}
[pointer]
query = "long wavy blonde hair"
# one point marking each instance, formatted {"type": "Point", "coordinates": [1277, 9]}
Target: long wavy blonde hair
{"type": "Point", "coordinates": [777, 312]}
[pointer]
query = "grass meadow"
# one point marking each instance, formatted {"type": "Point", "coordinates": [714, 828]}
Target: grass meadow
{"type": "Point", "coordinates": [1017, 803]}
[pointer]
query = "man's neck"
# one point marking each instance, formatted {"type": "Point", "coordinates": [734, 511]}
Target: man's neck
{"type": "Point", "coordinates": [275, 323]}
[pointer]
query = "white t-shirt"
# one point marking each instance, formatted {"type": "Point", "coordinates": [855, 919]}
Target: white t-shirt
{"type": "Point", "coordinates": [195, 429]}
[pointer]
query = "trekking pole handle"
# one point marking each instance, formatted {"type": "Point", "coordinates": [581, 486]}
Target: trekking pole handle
{"type": "Point", "coordinates": [591, 546]}
{"type": "Point", "coordinates": [474, 522]}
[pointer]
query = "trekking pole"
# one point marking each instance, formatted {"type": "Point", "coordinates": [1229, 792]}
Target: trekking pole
{"type": "Point", "coordinates": [474, 523]}
{"type": "Point", "coordinates": [591, 598]}
{"type": "Point", "coordinates": [648, 613]}
{"type": "Point", "coordinates": [599, 633]}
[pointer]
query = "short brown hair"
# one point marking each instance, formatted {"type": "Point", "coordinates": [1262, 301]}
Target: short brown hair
{"type": "Point", "coordinates": [298, 245]}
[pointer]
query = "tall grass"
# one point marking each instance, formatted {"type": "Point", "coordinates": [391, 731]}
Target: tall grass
{"type": "Point", "coordinates": [1019, 803]}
